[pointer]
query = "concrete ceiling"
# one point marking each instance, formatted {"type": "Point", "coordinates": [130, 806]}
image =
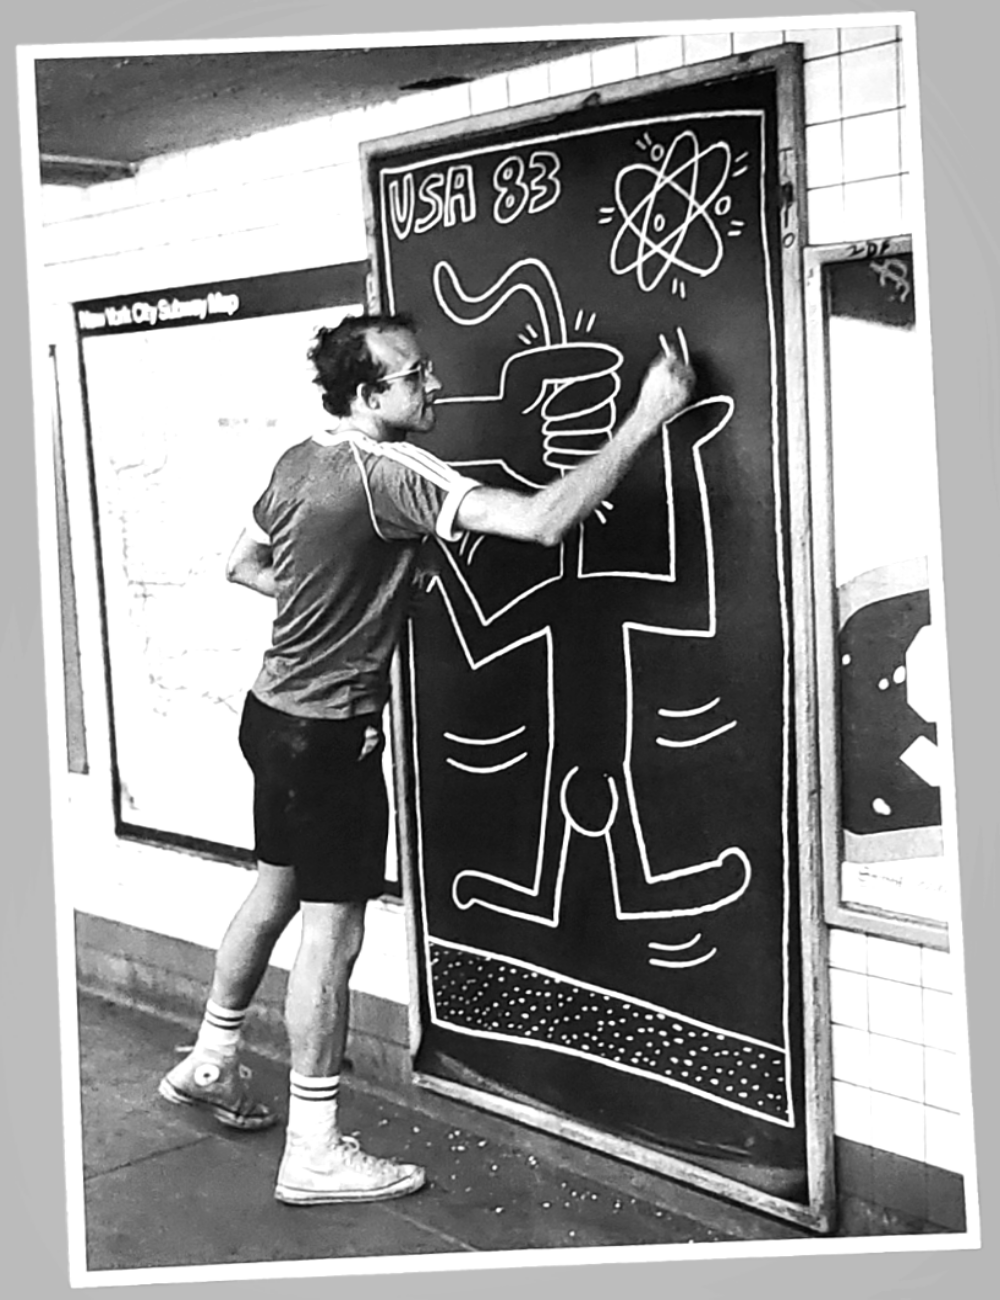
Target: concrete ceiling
{"type": "Point", "coordinates": [99, 117]}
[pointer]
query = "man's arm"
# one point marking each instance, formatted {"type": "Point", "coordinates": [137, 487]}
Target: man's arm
{"type": "Point", "coordinates": [547, 516]}
{"type": "Point", "coordinates": [251, 564]}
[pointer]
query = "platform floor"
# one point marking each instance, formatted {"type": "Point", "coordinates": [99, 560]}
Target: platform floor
{"type": "Point", "coordinates": [167, 1187]}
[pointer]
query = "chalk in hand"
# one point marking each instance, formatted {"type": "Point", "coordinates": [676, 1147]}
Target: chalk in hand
{"type": "Point", "coordinates": [668, 351]}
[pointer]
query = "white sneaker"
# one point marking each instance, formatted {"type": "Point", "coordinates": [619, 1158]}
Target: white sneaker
{"type": "Point", "coordinates": [341, 1172]}
{"type": "Point", "coordinates": [219, 1086]}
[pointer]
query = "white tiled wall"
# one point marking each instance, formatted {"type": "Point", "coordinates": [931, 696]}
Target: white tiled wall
{"type": "Point", "coordinates": [896, 1043]}
{"type": "Point", "coordinates": [856, 125]}
{"type": "Point", "coordinates": [292, 199]}
{"type": "Point", "coordinates": [282, 200]}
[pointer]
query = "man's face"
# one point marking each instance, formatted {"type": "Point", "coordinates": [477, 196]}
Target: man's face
{"type": "Point", "coordinates": [406, 402]}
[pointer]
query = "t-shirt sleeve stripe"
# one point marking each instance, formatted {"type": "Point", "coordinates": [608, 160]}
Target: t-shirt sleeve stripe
{"type": "Point", "coordinates": [414, 494]}
{"type": "Point", "coordinates": [423, 462]}
{"type": "Point", "coordinates": [445, 526]}
{"type": "Point", "coordinates": [363, 471]}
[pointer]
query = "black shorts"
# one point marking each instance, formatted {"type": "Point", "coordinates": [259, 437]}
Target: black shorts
{"type": "Point", "coordinates": [317, 806]}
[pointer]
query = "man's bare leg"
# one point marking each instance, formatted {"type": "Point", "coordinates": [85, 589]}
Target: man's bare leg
{"type": "Point", "coordinates": [317, 1004]}
{"type": "Point", "coordinates": [319, 1166]}
{"type": "Point", "coordinates": [247, 945]}
{"type": "Point", "coordinates": [211, 1077]}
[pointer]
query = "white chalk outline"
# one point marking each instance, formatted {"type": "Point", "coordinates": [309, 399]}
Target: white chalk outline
{"type": "Point", "coordinates": [387, 267]}
{"type": "Point", "coordinates": [475, 664]}
{"type": "Point", "coordinates": [662, 180]}
{"type": "Point", "coordinates": [786, 677]}
{"type": "Point", "coordinates": [749, 1040]}
{"type": "Point", "coordinates": [533, 890]}
{"type": "Point", "coordinates": [675, 947]}
{"type": "Point", "coordinates": [729, 406]}
{"type": "Point", "coordinates": [506, 286]}
{"type": "Point", "coordinates": [690, 713]}
{"type": "Point", "coordinates": [697, 740]}
{"type": "Point", "coordinates": [571, 822]}
{"type": "Point", "coordinates": [518, 277]}
{"type": "Point", "coordinates": [532, 276]}
{"type": "Point", "coordinates": [486, 771]}
{"type": "Point", "coordinates": [470, 466]}
{"type": "Point", "coordinates": [388, 173]}
{"type": "Point", "coordinates": [683, 965]}
{"type": "Point", "coordinates": [484, 740]}
{"type": "Point", "coordinates": [780, 1051]}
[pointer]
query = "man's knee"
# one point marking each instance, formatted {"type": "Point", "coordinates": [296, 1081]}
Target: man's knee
{"type": "Point", "coordinates": [336, 928]}
{"type": "Point", "coordinates": [275, 893]}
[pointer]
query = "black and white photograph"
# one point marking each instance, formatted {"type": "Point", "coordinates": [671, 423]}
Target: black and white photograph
{"type": "Point", "coordinates": [503, 800]}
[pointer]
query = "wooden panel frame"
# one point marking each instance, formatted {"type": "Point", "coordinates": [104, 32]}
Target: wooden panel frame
{"type": "Point", "coordinates": [818, 1212]}
{"type": "Point", "coordinates": [74, 713]}
{"type": "Point", "coordinates": [844, 915]}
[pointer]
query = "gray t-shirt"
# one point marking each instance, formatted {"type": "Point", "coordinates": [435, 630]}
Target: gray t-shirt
{"type": "Point", "coordinates": [345, 516]}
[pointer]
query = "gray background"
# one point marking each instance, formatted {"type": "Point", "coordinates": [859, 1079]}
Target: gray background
{"type": "Point", "coordinates": [959, 110]}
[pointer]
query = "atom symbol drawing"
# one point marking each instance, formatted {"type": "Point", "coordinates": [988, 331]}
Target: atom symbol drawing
{"type": "Point", "coordinates": [668, 210]}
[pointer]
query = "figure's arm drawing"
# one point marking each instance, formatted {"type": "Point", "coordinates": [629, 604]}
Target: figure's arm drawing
{"type": "Point", "coordinates": [546, 516]}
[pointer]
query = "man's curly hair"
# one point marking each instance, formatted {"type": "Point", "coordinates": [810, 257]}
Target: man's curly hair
{"type": "Point", "coordinates": [343, 359]}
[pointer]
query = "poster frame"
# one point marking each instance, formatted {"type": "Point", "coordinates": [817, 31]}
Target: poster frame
{"type": "Point", "coordinates": [817, 1211]}
{"type": "Point", "coordinates": [830, 611]}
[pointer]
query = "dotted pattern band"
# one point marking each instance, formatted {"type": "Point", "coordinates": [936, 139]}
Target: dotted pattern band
{"type": "Point", "coordinates": [486, 995]}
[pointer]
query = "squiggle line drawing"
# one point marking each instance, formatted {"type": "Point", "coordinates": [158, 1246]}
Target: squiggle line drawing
{"type": "Point", "coordinates": [897, 273]}
{"type": "Point", "coordinates": [674, 947]}
{"type": "Point", "coordinates": [660, 205]}
{"type": "Point", "coordinates": [568, 435]}
{"type": "Point", "coordinates": [683, 965]}
{"type": "Point", "coordinates": [684, 477]}
{"type": "Point", "coordinates": [528, 276]}
{"type": "Point", "coordinates": [487, 771]}
{"type": "Point", "coordinates": [485, 741]}
{"type": "Point", "coordinates": [697, 740]}
{"type": "Point", "coordinates": [689, 713]}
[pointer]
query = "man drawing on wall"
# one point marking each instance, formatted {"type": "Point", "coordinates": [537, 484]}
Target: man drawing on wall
{"type": "Point", "coordinates": [334, 540]}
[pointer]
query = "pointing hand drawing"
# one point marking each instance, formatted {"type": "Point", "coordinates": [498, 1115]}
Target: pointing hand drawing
{"type": "Point", "coordinates": [573, 387]}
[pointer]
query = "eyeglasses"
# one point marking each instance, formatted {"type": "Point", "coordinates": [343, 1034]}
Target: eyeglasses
{"type": "Point", "coordinates": [425, 369]}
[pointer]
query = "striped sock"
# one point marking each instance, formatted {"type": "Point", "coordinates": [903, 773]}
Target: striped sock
{"type": "Point", "coordinates": [220, 1030]}
{"type": "Point", "coordinates": [312, 1107]}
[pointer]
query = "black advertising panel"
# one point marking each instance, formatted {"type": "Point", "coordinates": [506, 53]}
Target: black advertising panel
{"type": "Point", "coordinates": [603, 811]}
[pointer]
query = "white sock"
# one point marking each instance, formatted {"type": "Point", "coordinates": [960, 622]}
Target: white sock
{"type": "Point", "coordinates": [312, 1107]}
{"type": "Point", "coordinates": [220, 1030]}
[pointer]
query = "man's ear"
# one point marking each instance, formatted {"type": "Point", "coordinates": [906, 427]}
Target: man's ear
{"type": "Point", "coordinates": [369, 395]}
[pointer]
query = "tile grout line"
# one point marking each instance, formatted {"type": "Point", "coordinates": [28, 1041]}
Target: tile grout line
{"type": "Point", "coordinates": [89, 1178]}
{"type": "Point", "coordinates": [393, 1208]}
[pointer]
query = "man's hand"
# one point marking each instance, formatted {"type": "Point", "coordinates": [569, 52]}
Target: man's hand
{"type": "Point", "coordinates": [251, 564]}
{"type": "Point", "coordinates": [547, 515]}
{"type": "Point", "coordinates": [666, 389]}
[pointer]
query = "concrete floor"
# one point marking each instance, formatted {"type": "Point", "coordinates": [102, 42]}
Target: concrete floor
{"type": "Point", "coordinates": [167, 1187]}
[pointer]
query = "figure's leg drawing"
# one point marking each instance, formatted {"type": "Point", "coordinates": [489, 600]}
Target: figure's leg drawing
{"type": "Point", "coordinates": [685, 889]}
{"type": "Point", "coordinates": [538, 900]}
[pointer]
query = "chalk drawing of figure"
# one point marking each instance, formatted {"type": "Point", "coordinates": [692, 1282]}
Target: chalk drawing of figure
{"type": "Point", "coordinates": [568, 772]}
